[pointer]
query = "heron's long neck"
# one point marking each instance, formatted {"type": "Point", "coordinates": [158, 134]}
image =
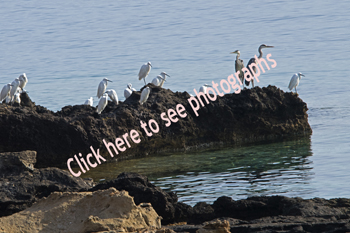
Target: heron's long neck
{"type": "Point", "coordinates": [237, 56]}
{"type": "Point", "coordinates": [260, 53]}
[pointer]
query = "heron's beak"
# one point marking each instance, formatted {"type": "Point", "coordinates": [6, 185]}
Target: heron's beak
{"type": "Point", "coordinates": [109, 80]}
{"type": "Point", "coordinates": [302, 75]}
{"type": "Point", "coordinates": [167, 75]}
{"type": "Point", "coordinates": [270, 46]}
{"type": "Point", "coordinates": [233, 52]}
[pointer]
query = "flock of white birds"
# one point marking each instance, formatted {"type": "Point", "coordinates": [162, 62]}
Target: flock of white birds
{"type": "Point", "coordinates": [11, 91]}
{"type": "Point", "coordinates": [103, 95]}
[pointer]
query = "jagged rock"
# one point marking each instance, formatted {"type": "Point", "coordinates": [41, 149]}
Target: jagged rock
{"type": "Point", "coordinates": [254, 114]}
{"type": "Point", "coordinates": [73, 212]}
{"type": "Point", "coordinates": [216, 226]}
{"type": "Point", "coordinates": [21, 184]}
{"type": "Point", "coordinates": [138, 186]}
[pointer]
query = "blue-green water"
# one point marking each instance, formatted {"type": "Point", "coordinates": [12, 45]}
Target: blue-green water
{"type": "Point", "coordinates": [67, 48]}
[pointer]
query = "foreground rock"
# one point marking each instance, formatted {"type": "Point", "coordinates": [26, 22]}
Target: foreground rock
{"type": "Point", "coordinates": [21, 184]}
{"type": "Point", "coordinates": [255, 214]}
{"type": "Point", "coordinates": [254, 114]}
{"type": "Point", "coordinates": [73, 212]}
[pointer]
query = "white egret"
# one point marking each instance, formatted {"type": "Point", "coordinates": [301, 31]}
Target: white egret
{"type": "Point", "coordinates": [102, 87]}
{"type": "Point", "coordinates": [102, 103]}
{"type": "Point", "coordinates": [204, 88]}
{"type": "Point", "coordinates": [15, 85]}
{"type": "Point", "coordinates": [5, 91]}
{"type": "Point", "coordinates": [163, 74]}
{"type": "Point", "coordinates": [8, 99]}
{"type": "Point", "coordinates": [113, 95]}
{"type": "Point", "coordinates": [17, 98]}
{"type": "Point", "coordinates": [157, 80]}
{"type": "Point", "coordinates": [128, 91]}
{"type": "Point", "coordinates": [89, 101]}
{"type": "Point", "coordinates": [144, 71]}
{"type": "Point", "coordinates": [23, 80]}
{"type": "Point", "coordinates": [144, 95]}
{"type": "Point", "coordinates": [294, 81]}
{"type": "Point", "coordinates": [253, 60]}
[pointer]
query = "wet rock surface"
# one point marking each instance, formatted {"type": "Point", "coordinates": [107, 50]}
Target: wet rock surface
{"type": "Point", "coordinates": [21, 184]}
{"type": "Point", "coordinates": [253, 115]}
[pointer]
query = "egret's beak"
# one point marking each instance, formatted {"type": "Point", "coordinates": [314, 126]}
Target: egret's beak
{"type": "Point", "coordinates": [109, 80]}
{"type": "Point", "coordinates": [167, 75]}
{"type": "Point", "coordinates": [302, 75]}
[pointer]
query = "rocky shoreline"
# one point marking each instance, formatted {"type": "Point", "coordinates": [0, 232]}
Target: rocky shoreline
{"type": "Point", "coordinates": [37, 196]}
{"type": "Point", "coordinates": [253, 115]}
{"type": "Point", "coordinates": [51, 200]}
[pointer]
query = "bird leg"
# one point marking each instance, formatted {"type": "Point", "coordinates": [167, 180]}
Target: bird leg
{"type": "Point", "coordinates": [144, 79]}
{"type": "Point", "coordinates": [252, 82]}
{"type": "Point", "coordinates": [296, 90]}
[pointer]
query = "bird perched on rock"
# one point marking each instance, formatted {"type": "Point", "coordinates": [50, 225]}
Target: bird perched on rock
{"type": "Point", "coordinates": [163, 74]}
{"type": "Point", "coordinates": [144, 95]}
{"type": "Point", "coordinates": [239, 65]}
{"type": "Point", "coordinates": [102, 87]}
{"type": "Point", "coordinates": [294, 81]}
{"type": "Point", "coordinates": [144, 71]}
{"type": "Point", "coordinates": [204, 88]}
{"type": "Point", "coordinates": [15, 84]}
{"type": "Point", "coordinates": [253, 60]}
{"type": "Point", "coordinates": [157, 80]}
{"type": "Point", "coordinates": [89, 101]}
{"type": "Point", "coordinates": [5, 91]}
{"type": "Point", "coordinates": [23, 81]}
{"type": "Point", "coordinates": [113, 95]}
{"type": "Point", "coordinates": [128, 90]}
{"type": "Point", "coordinates": [17, 98]}
{"type": "Point", "coordinates": [102, 103]}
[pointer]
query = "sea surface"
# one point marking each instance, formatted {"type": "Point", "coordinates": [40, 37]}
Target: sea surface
{"type": "Point", "coordinates": [66, 48]}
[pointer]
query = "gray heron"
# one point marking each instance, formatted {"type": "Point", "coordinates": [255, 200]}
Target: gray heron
{"type": "Point", "coordinates": [253, 60]}
{"type": "Point", "coordinates": [239, 65]}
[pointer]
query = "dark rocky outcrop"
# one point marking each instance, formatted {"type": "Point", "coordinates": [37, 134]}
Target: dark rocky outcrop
{"type": "Point", "coordinates": [253, 115]}
{"type": "Point", "coordinates": [21, 184]}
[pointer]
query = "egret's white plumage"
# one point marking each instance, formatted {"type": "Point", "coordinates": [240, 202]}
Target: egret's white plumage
{"type": "Point", "coordinates": [144, 95]}
{"type": "Point", "coordinates": [102, 103]}
{"type": "Point", "coordinates": [5, 91]}
{"type": "Point", "coordinates": [102, 87]}
{"type": "Point", "coordinates": [89, 101]}
{"type": "Point", "coordinates": [113, 95]}
{"type": "Point", "coordinates": [23, 80]}
{"type": "Point", "coordinates": [17, 98]}
{"type": "Point", "coordinates": [163, 74]}
{"type": "Point", "coordinates": [204, 88]}
{"type": "Point", "coordinates": [294, 81]}
{"type": "Point", "coordinates": [128, 91]}
{"type": "Point", "coordinates": [8, 99]}
{"type": "Point", "coordinates": [144, 71]}
{"type": "Point", "coordinates": [15, 85]}
{"type": "Point", "coordinates": [157, 80]}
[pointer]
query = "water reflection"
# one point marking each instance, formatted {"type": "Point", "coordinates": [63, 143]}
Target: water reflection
{"type": "Point", "coordinates": [264, 169]}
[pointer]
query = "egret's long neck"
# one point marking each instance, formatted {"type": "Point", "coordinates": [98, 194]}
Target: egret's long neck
{"type": "Point", "coordinates": [260, 53]}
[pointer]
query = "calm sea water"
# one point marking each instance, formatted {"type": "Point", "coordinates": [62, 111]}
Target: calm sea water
{"type": "Point", "coordinates": [67, 48]}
